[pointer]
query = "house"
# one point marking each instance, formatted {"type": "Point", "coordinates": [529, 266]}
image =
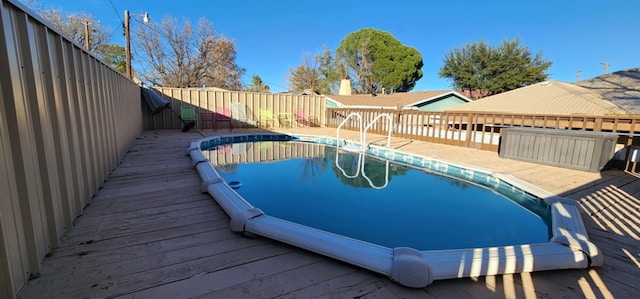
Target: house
{"type": "Point", "coordinates": [611, 94]}
{"type": "Point", "coordinates": [621, 88]}
{"type": "Point", "coordinates": [608, 94]}
{"type": "Point", "coordinates": [303, 92]}
{"type": "Point", "coordinates": [423, 100]}
{"type": "Point", "coordinates": [548, 97]}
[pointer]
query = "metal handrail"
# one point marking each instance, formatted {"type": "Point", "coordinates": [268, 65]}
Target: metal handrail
{"type": "Point", "coordinates": [363, 131]}
{"type": "Point", "coordinates": [363, 135]}
{"type": "Point", "coordinates": [354, 114]}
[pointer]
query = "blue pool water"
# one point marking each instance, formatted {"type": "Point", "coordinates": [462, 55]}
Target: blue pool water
{"type": "Point", "coordinates": [408, 207]}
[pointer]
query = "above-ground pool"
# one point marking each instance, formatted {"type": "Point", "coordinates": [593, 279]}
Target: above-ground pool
{"type": "Point", "coordinates": [381, 202]}
{"type": "Point", "coordinates": [412, 218]}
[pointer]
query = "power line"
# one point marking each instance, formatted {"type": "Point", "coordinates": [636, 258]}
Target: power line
{"type": "Point", "coordinates": [116, 11]}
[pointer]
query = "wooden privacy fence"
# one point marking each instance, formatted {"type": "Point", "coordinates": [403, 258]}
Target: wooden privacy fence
{"type": "Point", "coordinates": [286, 109]}
{"type": "Point", "coordinates": [66, 120]}
{"type": "Point", "coordinates": [482, 130]}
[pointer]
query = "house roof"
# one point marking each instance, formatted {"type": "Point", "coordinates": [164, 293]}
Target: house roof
{"type": "Point", "coordinates": [474, 94]}
{"type": "Point", "coordinates": [549, 97]}
{"type": "Point", "coordinates": [303, 92]}
{"type": "Point", "coordinates": [392, 100]}
{"type": "Point", "coordinates": [621, 88]}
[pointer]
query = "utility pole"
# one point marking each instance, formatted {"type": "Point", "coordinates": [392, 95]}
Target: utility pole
{"type": "Point", "coordinates": [87, 35]}
{"type": "Point", "coordinates": [606, 66]}
{"type": "Point", "coordinates": [127, 43]}
{"type": "Point", "coordinates": [127, 37]}
{"type": "Point", "coordinates": [87, 31]}
{"type": "Point", "coordinates": [578, 75]}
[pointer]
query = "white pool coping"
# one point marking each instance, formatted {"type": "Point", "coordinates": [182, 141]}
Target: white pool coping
{"type": "Point", "coordinates": [568, 248]}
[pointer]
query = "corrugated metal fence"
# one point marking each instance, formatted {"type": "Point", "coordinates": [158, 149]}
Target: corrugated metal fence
{"type": "Point", "coordinates": [66, 120]}
{"type": "Point", "coordinates": [311, 107]}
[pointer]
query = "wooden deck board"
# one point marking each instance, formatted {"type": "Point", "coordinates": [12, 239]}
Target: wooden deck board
{"type": "Point", "coordinates": [284, 282]}
{"type": "Point", "coordinates": [101, 251]}
{"type": "Point", "coordinates": [354, 284]}
{"type": "Point", "coordinates": [149, 202]}
{"type": "Point", "coordinates": [150, 233]}
{"type": "Point", "coordinates": [272, 263]}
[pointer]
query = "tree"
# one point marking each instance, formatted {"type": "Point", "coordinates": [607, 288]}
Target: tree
{"type": "Point", "coordinates": [73, 25]}
{"type": "Point", "coordinates": [375, 59]}
{"type": "Point", "coordinates": [329, 72]}
{"type": "Point", "coordinates": [482, 69]}
{"type": "Point", "coordinates": [181, 56]}
{"type": "Point", "coordinates": [257, 85]}
{"type": "Point", "coordinates": [114, 56]}
{"type": "Point", "coordinates": [222, 70]}
{"type": "Point", "coordinates": [306, 77]}
{"type": "Point", "coordinates": [320, 75]}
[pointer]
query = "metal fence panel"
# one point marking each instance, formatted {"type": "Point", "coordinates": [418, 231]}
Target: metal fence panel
{"type": "Point", "coordinates": [66, 119]}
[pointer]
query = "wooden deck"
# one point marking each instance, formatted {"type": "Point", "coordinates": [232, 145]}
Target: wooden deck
{"type": "Point", "coordinates": [150, 233]}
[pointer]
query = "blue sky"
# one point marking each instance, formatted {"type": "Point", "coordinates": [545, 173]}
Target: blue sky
{"type": "Point", "coordinates": [273, 36]}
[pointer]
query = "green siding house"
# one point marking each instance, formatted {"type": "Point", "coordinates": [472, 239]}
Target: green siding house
{"type": "Point", "coordinates": [423, 100]}
{"type": "Point", "coordinates": [442, 103]}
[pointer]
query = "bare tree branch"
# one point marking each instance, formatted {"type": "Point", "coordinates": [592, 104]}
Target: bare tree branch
{"type": "Point", "coordinates": [179, 56]}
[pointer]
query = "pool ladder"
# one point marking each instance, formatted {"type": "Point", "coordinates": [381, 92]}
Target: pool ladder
{"type": "Point", "coordinates": [363, 131]}
{"type": "Point", "coordinates": [360, 168]}
{"type": "Point", "coordinates": [362, 147]}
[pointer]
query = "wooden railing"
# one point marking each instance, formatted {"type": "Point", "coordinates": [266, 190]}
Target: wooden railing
{"type": "Point", "coordinates": [482, 130]}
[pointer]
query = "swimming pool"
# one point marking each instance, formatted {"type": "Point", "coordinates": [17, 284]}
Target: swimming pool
{"type": "Point", "coordinates": [565, 246]}
{"type": "Point", "coordinates": [381, 202]}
